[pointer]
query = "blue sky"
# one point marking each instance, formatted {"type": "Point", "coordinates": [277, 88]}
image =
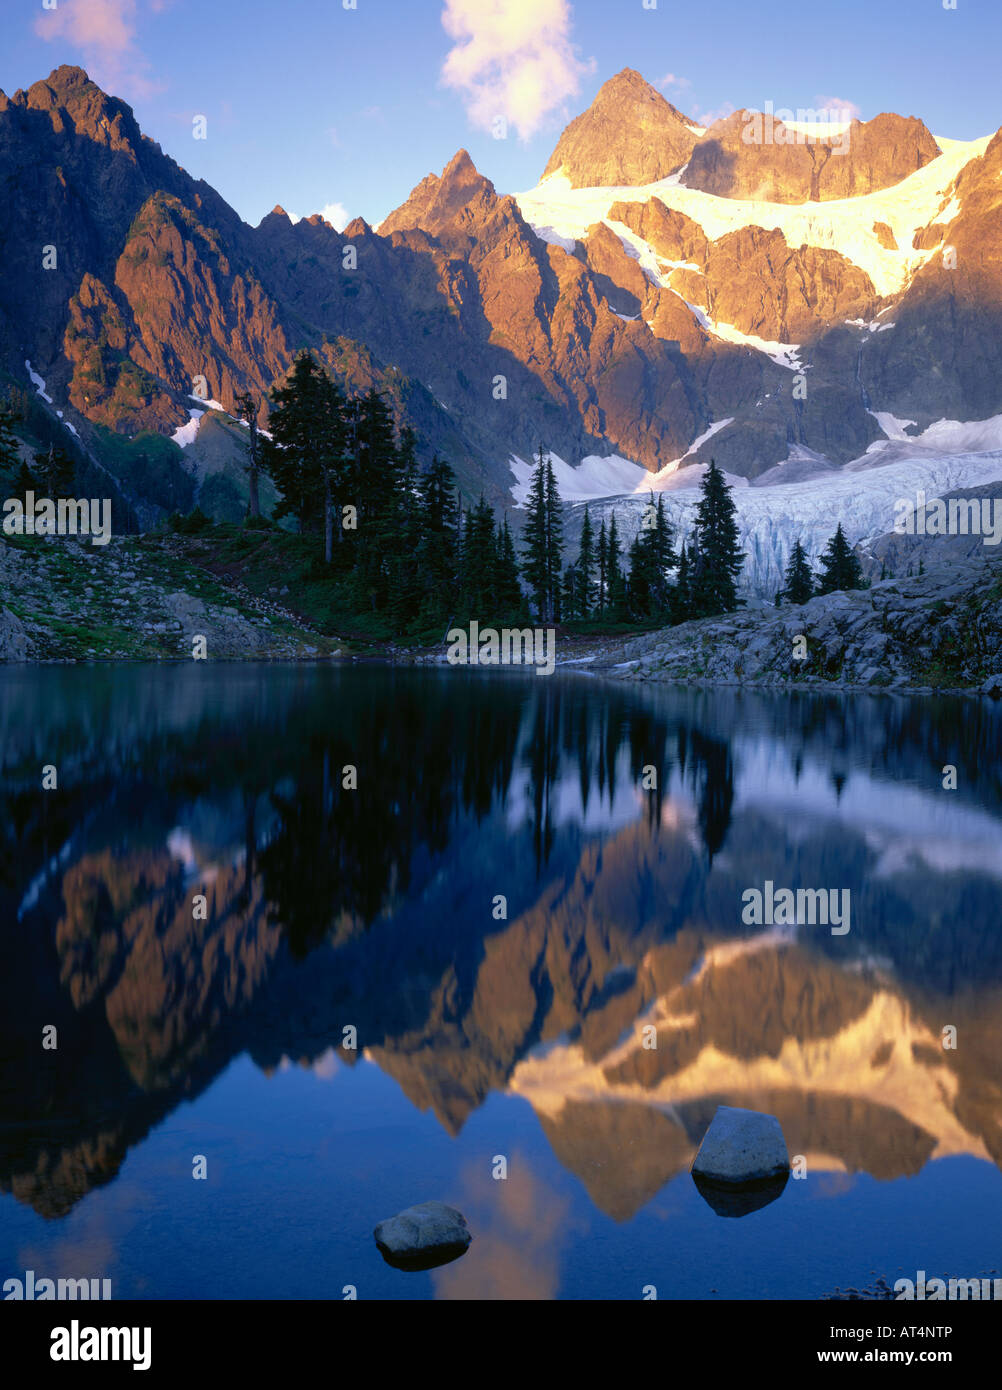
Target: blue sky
{"type": "Point", "coordinates": [316, 106]}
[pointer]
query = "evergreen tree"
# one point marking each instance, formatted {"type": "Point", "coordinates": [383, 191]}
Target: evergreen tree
{"type": "Point", "coordinates": [55, 471]}
{"type": "Point", "coordinates": [10, 459]}
{"type": "Point", "coordinates": [478, 563]}
{"type": "Point", "coordinates": [681, 606]}
{"type": "Point", "coordinates": [535, 568]}
{"type": "Point", "coordinates": [509, 602]}
{"type": "Point", "coordinates": [714, 586]}
{"type": "Point", "coordinates": [603, 567]}
{"type": "Point", "coordinates": [406, 588]}
{"type": "Point", "coordinates": [554, 541]}
{"type": "Point", "coordinates": [585, 591]}
{"type": "Point", "coordinates": [306, 455]}
{"type": "Point", "coordinates": [438, 550]}
{"type": "Point", "coordinates": [25, 481]}
{"type": "Point", "coordinates": [616, 577]}
{"type": "Point", "coordinates": [375, 488]}
{"type": "Point", "coordinates": [799, 581]}
{"type": "Point", "coordinates": [840, 566]}
{"type": "Point", "coordinates": [651, 557]}
{"type": "Point", "coordinates": [543, 541]}
{"type": "Point", "coordinates": [664, 560]}
{"type": "Point", "coordinates": [638, 577]}
{"type": "Point", "coordinates": [569, 595]}
{"type": "Point", "coordinates": [247, 408]}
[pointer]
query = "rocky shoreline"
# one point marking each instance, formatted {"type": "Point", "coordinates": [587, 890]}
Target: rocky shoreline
{"type": "Point", "coordinates": [938, 631]}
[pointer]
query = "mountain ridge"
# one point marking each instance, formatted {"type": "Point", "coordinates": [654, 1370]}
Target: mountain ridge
{"type": "Point", "coordinates": [630, 337]}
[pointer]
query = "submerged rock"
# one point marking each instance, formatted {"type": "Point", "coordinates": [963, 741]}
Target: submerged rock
{"type": "Point", "coordinates": [424, 1236]}
{"type": "Point", "coordinates": [742, 1148]}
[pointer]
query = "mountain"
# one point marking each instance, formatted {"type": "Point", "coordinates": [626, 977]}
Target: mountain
{"type": "Point", "coordinates": [743, 156]}
{"type": "Point", "coordinates": [664, 292]}
{"type": "Point", "coordinates": [630, 134]}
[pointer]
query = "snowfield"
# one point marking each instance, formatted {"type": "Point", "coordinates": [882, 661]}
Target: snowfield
{"type": "Point", "coordinates": [562, 215]}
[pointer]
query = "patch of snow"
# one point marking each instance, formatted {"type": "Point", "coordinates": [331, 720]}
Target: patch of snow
{"type": "Point", "coordinates": [612, 476]}
{"type": "Point", "coordinates": [37, 382]}
{"type": "Point", "coordinates": [208, 405]}
{"type": "Point", "coordinates": [945, 436]}
{"type": "Point", "coordinates": [891, 425]}
{"type": "Point", "coordinates": [693, 448]}
{"type": "Point", "coordinates": [968, 436]}
{"type": "Point", "coordinates": [187, 434]}
{"type": "Point", "coordinates": [783, 354]}
{"type": "Point", "coordinates": [594, 477]}
{"type": "Point", "coordinates": [71, 428]}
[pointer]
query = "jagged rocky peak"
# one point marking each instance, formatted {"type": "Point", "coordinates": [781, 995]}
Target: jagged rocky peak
{"type": "Point", "coordinates": [68, 90]}
{"type": "Point", "coordinates": [630, 134]}
{"type": "Point", "coordinates": [754, 155]}
{"type": "Point", "coordinates": [437, 200]}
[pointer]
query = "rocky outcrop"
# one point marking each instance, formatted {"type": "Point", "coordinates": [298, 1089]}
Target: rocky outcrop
{"type": "Point", "coordinates": [940, 628]}
{"type": "Point", "coordinates": [748, 155]}
{"type": "Point", "coordinates": [15, 645]}
{"type": "Point", "coordinates": [629, 135]}
{"type": "Point", "coordinates": [79, 601]}
{"type": "Point", "coordinates": [439, 203]}
{"type": "Point", "coordinates": [943, 358]}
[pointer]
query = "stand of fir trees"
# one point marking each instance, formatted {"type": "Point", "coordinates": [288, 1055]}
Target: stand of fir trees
{"type": "Point", "coordinates": [394, 542]}
{"type": "Point", "coordinates": [840, 570]}
{"type": "Point", "coordinates": [605, 588]}
{"type": "Point", "coordinates": [391, 541]}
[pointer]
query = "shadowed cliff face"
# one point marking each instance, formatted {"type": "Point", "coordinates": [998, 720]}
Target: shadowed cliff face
{"type": "Point", "coordinates": [326, 907]}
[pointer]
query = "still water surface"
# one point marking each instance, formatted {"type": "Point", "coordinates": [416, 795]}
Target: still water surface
{"type": "Point", "coordinates": [482, 1035]}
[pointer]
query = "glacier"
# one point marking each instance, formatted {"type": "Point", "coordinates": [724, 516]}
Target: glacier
{"type": "Point", "coordinates": [772, 514]}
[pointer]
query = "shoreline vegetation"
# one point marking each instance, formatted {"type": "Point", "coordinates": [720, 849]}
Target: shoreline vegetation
{"type": "Point", "coordinates": [143, 598]}
{"type": "Point", "coordinates": [367, 555]}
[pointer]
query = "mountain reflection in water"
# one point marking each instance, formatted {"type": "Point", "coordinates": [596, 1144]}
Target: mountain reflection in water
{"type": "Point", "coordinates": [375, 908]}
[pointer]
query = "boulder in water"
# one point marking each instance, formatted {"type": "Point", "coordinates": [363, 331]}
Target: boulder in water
{"type": "Point", "coordinates": [424, 1236]}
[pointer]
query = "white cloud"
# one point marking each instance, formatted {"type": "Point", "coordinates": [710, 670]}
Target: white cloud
{"type": "Point", "coordinates": [838, 104]}
{"type": "Point", "coordinates": [104, 32]}
{"type": "Point", "coordinates": [334, 213]}
{"type": "Point", "coordinates": [671, 79]}
{"type": "Point", "coordinates": [710, 115]}
{"type": "Point", "coordinates": [511, 58]}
